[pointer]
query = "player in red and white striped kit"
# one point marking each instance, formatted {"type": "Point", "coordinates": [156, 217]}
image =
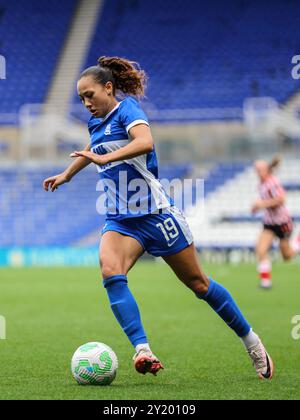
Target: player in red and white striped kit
{"type": "Point", "coordinates": [277, 221]}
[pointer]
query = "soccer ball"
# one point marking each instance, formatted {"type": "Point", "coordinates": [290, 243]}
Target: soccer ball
{"type": "Point", "coordinates": [94, 364]}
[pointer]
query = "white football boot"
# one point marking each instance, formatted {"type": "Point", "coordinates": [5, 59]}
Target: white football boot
{"type": "Point", "coordinates": [261, 360]}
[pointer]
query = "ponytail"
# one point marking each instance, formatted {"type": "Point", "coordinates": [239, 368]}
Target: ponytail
{"type": "Point", "coordinates": [275, 162]}
{"type": "Point", "coordinates": [126, 76]}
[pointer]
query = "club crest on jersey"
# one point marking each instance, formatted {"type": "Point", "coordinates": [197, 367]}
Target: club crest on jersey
{"type": "Point", "coordinates": [107, 131]}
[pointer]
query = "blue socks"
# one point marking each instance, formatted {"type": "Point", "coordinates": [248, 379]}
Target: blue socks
{"type": "Point", "coordinates": [127, 312]}
{"type": "Point", "coordinates": [223, 304]}
{"type": "Point", "coordinates": [125, 308]}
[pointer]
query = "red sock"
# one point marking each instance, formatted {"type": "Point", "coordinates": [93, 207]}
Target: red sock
{"type": "Point", "coordinates": [265, 272]}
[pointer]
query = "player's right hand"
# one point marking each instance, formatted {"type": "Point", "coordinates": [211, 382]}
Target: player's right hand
{"type": "Point", "coordinates": [55, 181]}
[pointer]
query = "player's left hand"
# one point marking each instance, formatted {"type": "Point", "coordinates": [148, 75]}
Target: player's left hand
{"type": "Point", "coordinates": [98, 159]}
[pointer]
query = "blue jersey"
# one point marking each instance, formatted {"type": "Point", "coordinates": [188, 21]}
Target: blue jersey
{"type": "Point", "coordinates": [132, 186]}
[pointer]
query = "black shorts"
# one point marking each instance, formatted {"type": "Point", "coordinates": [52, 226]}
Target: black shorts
{"type": "Point", "coordinates": [281, 231]}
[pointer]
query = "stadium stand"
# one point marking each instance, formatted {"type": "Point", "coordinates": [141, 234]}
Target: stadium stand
{"type": "Point", "coordinates": [27, 29]}
{"type": "Point", "coordinates": [205, 57]}
{"type": "Point", "coordinates": [204, 75]}
{"type": "Point", "coordinates": [31, 217]}
{"type": "Point", "coordinates": [195, 67]}
{"type": "Point", "coordinates": [220, 174]}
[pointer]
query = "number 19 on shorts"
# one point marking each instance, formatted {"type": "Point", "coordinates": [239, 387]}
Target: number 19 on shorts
{"type": "Point", "coordinates": [169, 230]}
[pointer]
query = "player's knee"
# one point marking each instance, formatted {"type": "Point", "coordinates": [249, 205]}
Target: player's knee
{"type": "Point", "coordinates": [108, 269]}
{"type": "Point", "coordinates": [203, 286]}
{"type": "Point", "coordinates": [199, 284]}
{"type": "Point", "coordinates": [286, 257]}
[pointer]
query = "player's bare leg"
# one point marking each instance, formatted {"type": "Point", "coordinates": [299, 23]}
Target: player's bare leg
{"type": "Point", "coordinates": [286, 249]}
{"type": "Point", "coordinates": [289, 248]}
{"type": "Point", "coordinates": [118, 254]}
{"type": "Point", "coordinates": [264, 266]}
{"type": "Point", "coordinates": [186, 266]}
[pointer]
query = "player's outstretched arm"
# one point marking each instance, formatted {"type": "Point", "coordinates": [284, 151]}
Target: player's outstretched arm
{"type": "Point", "coordinates": [55, 181]}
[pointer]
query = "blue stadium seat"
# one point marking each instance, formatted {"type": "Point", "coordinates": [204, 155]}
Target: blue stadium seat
{"type": "Point", "coordinates": [207, 55]}
{"type": "Point", "coordinates": [31, 217]}
{"type": "Point", "coordinates": [32, 34]}
{"type": "Point", "coordinates": [221, 173]}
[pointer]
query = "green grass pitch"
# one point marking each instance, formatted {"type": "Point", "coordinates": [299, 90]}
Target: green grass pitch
{"type": "Point", "coordinates": [50, 312]}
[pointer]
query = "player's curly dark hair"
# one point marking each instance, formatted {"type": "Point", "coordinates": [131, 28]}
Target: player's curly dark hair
{"type": "Point", "coordinates": [126, 76]}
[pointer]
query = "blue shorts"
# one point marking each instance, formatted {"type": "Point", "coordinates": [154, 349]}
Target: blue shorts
{"type": "Point", "coordinates": [159, 234]}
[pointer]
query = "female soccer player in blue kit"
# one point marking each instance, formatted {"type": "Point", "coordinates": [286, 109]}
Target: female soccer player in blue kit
{"type": "Point", "coordinates": [122, 148]}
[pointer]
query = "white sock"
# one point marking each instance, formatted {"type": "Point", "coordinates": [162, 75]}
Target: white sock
{"type": "Point", "coordinates": [250, 340]}
{"type": "Point", "coordinates": [144, 346]}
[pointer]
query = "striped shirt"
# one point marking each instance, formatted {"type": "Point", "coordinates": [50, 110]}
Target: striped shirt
{"type": "Point", "coordinates": [272, 189]}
